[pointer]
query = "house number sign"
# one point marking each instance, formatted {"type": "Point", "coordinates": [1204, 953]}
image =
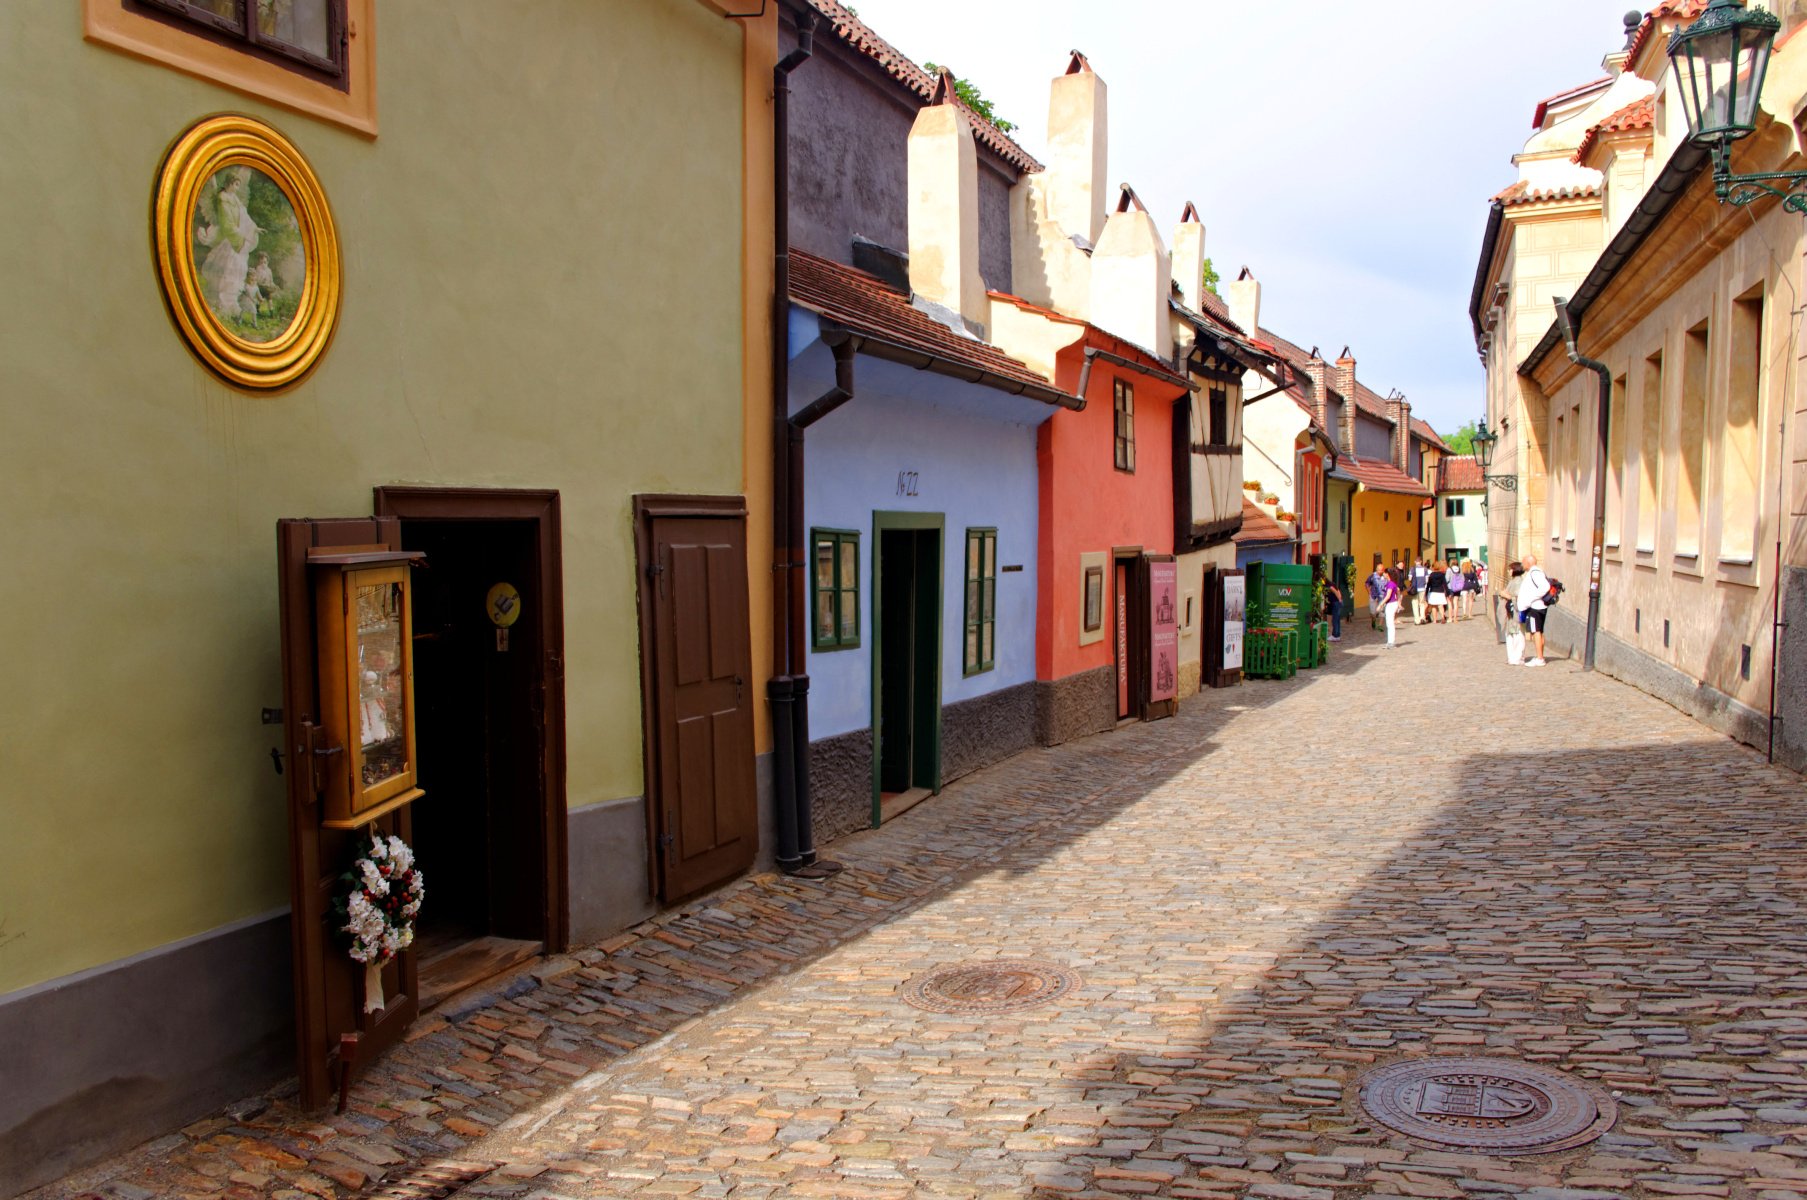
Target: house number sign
{"type": "Point", "coordinates": [907, 482]}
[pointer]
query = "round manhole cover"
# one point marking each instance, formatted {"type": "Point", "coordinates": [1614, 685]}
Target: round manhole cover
{"type": "Point", "coordinates": [1488, 1104]}
{"type": "Point", "coordinates": [994, 986]}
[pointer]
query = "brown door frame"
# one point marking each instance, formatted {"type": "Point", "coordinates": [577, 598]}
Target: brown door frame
{"type": "Point", "coordinates": [647, 510]}
{"type": "Point", "coordinates": [542, 508]}
{"type": "Point", "coordinates": [1134, 640]}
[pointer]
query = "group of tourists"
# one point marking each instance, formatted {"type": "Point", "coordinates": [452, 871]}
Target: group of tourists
{"type": "Point", "coordinates": [1441, 592]}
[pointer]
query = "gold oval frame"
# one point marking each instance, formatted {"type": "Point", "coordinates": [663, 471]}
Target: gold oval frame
{"type": "Point", "coordinates": [208, 146]}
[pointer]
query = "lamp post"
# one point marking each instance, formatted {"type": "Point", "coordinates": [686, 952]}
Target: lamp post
{"type": "Point", "coordinates": [1484, 442]}
{"type": "Point", "coordinates": [1720, 61]}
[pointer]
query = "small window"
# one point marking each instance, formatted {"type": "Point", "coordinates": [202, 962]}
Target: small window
{"type": "Point", "coordinates": [981, 600]}
{"type": "Point", "coordinates": [1220, 415]}
{"type": "Point", "coordinates": [1126, 425]}
{"type": "Point", "coordinates": [836, 557]}
{"type": "Point", "coordinates": [308, 35]}
{"type": "Point", "coordinates": [1455, 508]}
{"type": "Point", "coordinates": [1342, 516]}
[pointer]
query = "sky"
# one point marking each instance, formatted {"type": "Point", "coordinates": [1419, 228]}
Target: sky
{"type": "Point", "coordinates": [1343, 150]}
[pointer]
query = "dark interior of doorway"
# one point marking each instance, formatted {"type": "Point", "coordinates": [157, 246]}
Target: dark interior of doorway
{"type": "Point", "coordinates": [909, 627]}
{"type": "Point", "coordinates": [478, 828]}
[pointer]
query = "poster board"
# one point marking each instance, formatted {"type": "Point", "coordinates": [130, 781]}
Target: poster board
{"type": "Point", "coordinates": [1235, 609]}
{"type": "Point", "coordinates": [1163, 630]}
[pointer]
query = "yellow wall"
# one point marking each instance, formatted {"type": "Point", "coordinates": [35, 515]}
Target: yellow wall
{"type": "Point", "coordinates": [1383, 522]}
{"type": "Point", "coordinates": [544, 282]}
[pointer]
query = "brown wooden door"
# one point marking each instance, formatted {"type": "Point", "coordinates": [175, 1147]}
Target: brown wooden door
{"type": "Point", "coordinates": [328, 985]}
{"type": "Point", "coordinates": [704, 810]}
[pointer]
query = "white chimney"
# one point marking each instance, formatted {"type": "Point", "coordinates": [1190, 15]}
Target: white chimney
{"type": "Point", "coordinates": [1245, 302]}
{"type": "Point", "coordinates": [944, 209]}
{"type": "Point", "coordinates": [1076, 148]}
{"type": "Point", "coordinates": [1189, 258]}
{"type": "Point", "coordinates": [1132, 277]}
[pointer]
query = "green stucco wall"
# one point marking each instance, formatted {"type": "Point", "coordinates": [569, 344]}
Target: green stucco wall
{"type": "Point", "coordinates": [1466, 531]}
{"type": "Point", "coordinates": [543, 269]}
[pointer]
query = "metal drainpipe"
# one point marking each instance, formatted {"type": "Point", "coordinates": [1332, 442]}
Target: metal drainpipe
{"type": "Point", "coordinates": [781, 690]}
{"type": "Point", "coordinates": [1604, 405]}
{"type": "Point", "coordinates": [843, 348]}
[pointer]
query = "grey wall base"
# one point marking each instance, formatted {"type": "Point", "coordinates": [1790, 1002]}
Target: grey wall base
{"type": "Point", "coordinates": [1566, 631]}
{"type": "Point", "coordinates": [100, 1061]}
{"type": "Point", "coordinates": [1076, 706]}
{"type": "Point", "coordinates": [1791, 679]}
{"type": "Point", "coordinates": [986, 729]}
{"type": "Point", "coordinates": [840, 784]}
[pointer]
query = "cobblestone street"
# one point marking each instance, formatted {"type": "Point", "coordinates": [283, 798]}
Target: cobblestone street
{"type": "Point", "coordinates": [1411, 852]}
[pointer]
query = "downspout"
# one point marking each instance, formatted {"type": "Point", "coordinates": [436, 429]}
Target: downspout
{"type": "Point", "coordinates": [786, 555]}
{"type": "Point", "coordinates": [806, 865]}
{"type": "Point", "coordinates": [1604, 405]}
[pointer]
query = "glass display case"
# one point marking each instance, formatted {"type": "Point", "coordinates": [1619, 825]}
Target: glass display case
{"type": "Point", "coordinates": [362, 603]}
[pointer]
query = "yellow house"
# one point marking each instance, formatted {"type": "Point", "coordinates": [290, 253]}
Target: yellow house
{"type": "Point", "coordinates": [468, 281]}
{"type": "Point", "coordinates": [1689, 303]}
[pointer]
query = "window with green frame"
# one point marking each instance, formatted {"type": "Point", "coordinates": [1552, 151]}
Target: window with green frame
{"type": "Point", "coordinates": [836, 553]}
{"type": "Point", "coordinates": [981, 600]}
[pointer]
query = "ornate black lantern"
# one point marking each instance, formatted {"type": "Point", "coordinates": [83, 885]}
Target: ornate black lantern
{"type": "Point", "coordinates": [1719, 63]}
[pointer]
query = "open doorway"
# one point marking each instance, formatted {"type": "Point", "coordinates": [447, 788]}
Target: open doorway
{"type": "Point", "coordinates": [906, 661]}
{"type": "Point", "coordinates": [489, 829]}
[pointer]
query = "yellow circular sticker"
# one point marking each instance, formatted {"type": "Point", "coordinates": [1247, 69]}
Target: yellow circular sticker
{"type": "Point", "coordinates": [504, 604]}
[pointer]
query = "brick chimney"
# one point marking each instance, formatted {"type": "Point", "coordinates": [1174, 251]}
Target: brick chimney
{"type": "Point", "coordinates": [1399, 410]}
{"type": "Point", "coordinates": [1189, 258]}
{"type": "Point", "coordinates": [1319, 372]}
{"type": "Point", "coordinates": [1245, 302]}
{"type": "Point", "coordinates": [1076, 151]}
{"type": "Point", "coordinates": [1132, 277]}
{"type": "Point", "coordinates": [1345, 383]}
{"type": "Point", "coordinates": [944, 208]}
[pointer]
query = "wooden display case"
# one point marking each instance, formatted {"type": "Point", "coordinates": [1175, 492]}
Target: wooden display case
{"type": "Point", "coordinates": [365, 644]}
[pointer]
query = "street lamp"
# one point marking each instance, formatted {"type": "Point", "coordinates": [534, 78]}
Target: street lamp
{"type": "Point", "coordinates": [1484, 442]}
{"type": "Point", "coordinates": [1719, 62]}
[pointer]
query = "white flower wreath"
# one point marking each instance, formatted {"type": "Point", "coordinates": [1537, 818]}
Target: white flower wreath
{"type": "Point", "coordinates": [382, 896]}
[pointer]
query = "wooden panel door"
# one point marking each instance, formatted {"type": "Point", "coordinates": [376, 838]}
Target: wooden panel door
{"type": "Point", "coordinates": [699, 712]}
{"type": "Point", "coordinates": [329, 995]}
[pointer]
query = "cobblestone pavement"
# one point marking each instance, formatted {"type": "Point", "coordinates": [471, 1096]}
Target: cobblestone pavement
{"type": "Point", "coordinates": [1411, 852]}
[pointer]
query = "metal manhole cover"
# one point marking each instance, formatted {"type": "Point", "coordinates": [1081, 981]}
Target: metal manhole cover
{"type": "Point", "coordinates": [1489, 1104]}
{"type": "Point", "coordinates": [436, 1182]}
{"type": "Point", "coordinates": [994, 986]}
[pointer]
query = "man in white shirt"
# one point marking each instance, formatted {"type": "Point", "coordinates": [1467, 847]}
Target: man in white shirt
{"type": "Point", "coordinates": [1531, 608]}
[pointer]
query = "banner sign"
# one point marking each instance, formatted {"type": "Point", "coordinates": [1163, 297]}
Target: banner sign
{"type": "Point", "coordinates": [1164, 631]}
{"type": "Point", "coordinates": [1234, 605]}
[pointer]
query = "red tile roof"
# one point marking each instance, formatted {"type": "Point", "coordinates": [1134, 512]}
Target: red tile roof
{"type": "Point", "coordinates": [866, 304]}
{"type": "Point", "coordinates": [861, 37]}
{"type": "Point", "coordinates": [1683, 11]}
{"type": "Point", "coordinates": [1424, 430]}
{"type": "Point", "coordinates": [1378, 476]}
{"type": "Point", "coordinates": [1215, 308]}
{"type": "Point", "coordinates": [1459, 473]}
{"type": "Point", "coordinates": [1543, 106]}
{"type": "Point", "coordinates": [1257, 526]}
{"type": "Point", "coordinates": [1639, 114]}
{"type": "Point", "coordinates": [1523, 193]}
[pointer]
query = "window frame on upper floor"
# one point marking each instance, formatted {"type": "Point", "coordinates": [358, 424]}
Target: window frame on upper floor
{"type": "Point", "coordinates": [846, 592]}
{"type": "Point", "coordinates": [1123, 425]}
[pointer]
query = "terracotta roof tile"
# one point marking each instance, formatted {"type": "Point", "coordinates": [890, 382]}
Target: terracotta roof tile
{"type": "Point", "coordinates": [1523, 193]}
{"type": "Point", "coordinates": [1378, 476]}
{"type": "Point", "coordinates": [861, 37]}
{"type": "Point", "coordinates": [1459, 473]}
{"type": "Point", "coordinates": [1639, 114]}
{"type": "Point", "coordinates": [1423, 429]}
{"type": "Point", "coordinates": [1684, 11]}
{"type": "Point", "coordinates": [866, 304]}
{"type": "Point", "coordinates": [1257, 526]}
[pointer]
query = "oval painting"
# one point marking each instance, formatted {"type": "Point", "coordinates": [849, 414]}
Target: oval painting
{"type": "Point", "coordinates": [250, 263]}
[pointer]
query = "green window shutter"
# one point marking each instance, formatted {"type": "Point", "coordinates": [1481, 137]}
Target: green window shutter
{"type": "Point", "coordinates": [980, 645]}
{"type": "Point", "coordinates": [835, 589]}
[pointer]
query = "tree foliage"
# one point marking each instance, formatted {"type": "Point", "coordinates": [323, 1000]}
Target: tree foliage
{"type": "Point", "coordinates": [974, 99]}
{"type": "Point", "coordinates": [1212, 278]}
{"type": "Point", "coordinates": [1462, 440]}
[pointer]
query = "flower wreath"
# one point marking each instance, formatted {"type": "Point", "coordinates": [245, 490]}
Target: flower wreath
{"type": "Point", "coordinates": [382, 893]}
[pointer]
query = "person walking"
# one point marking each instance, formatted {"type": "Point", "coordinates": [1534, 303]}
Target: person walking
{"type": "Point", "coordinates": [1515, 631]}
{"type": "Point", "coordinates": [1390, 596]}
{"type": "Point", "coordinates": [1531, 607]}
{"type": "Point", "coordinates": [1471, 589]}
{"type": "Point", "coordinates": [1376, 590]}
{"type": "Point", "coordinates": [1454, 584]}
{"type": "Point", "coordinates": [1333, 601]}
{"type": "Point", "coordinates": [1421, 577]}
{"type": "Point", "coordinates": [1437, 589]}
